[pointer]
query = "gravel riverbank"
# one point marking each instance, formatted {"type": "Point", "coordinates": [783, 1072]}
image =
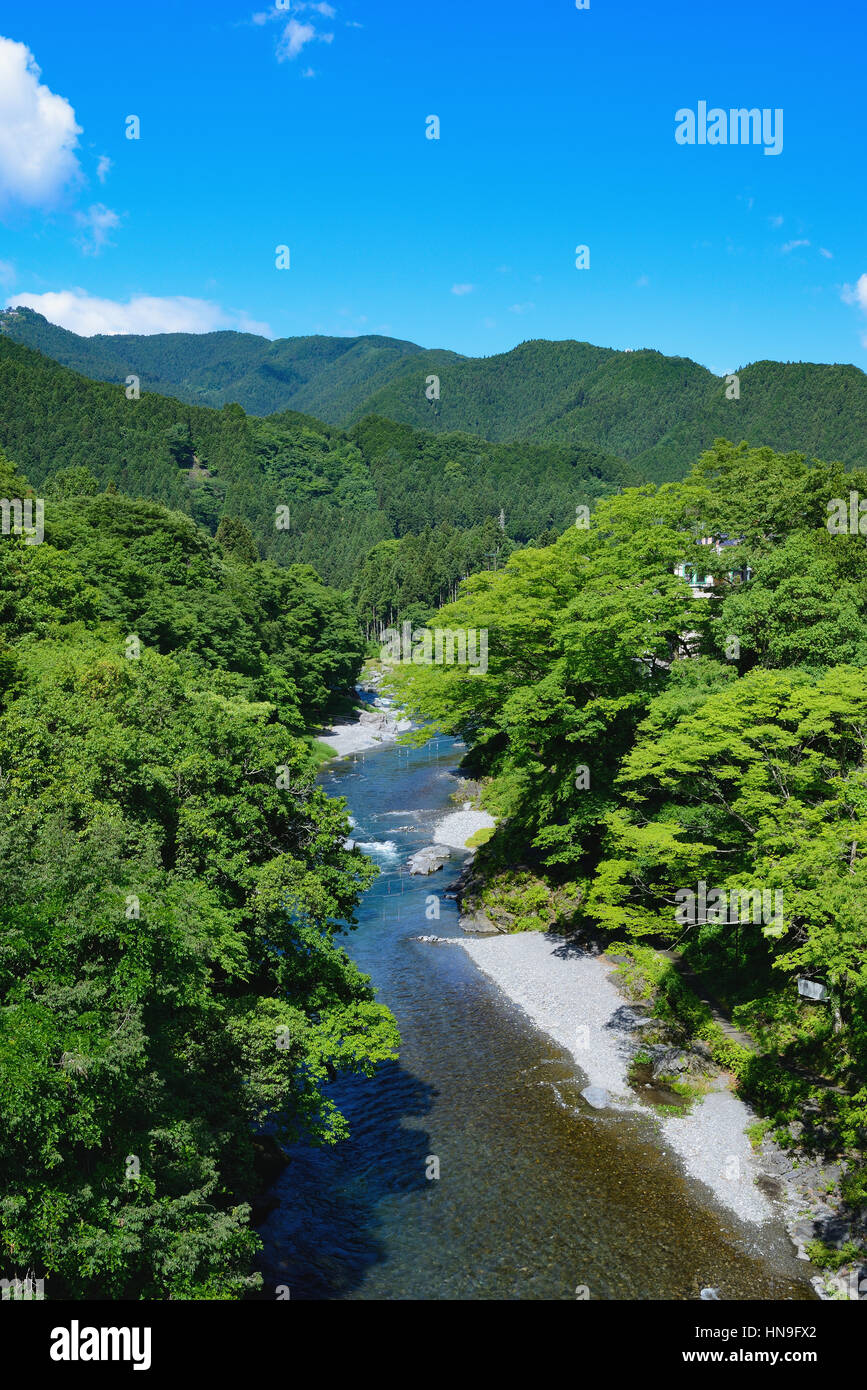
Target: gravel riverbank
{"type": "Point", "coordinates": [376, 724]}
{"type": "Point", "coordinates": [567, 993]}
{"type": "Point", "coordinates": [454, 830]}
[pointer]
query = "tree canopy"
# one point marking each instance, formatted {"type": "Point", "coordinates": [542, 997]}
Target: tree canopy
{"type": "Point", "coordinates": [173, 887]}
{"type": "Point", "coordinates": [640, 741]}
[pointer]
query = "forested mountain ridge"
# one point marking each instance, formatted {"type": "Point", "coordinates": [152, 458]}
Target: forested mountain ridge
{"type": "Point", "coordinates": [343, 492]}
{"type": "Point", "coordinates": [656, 411]}
{"type": "Point", "coordinates": [317, 374]}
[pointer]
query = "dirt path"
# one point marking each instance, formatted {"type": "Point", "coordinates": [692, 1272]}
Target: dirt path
{"type": "Point", "coordinates": [698, 988]}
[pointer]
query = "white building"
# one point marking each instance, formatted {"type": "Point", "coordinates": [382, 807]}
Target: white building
{"type": "Point", "coordinates": [702, 583]}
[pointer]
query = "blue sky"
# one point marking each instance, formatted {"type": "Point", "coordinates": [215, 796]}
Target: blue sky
{"type": "Point", "coordinates": [305, 126]}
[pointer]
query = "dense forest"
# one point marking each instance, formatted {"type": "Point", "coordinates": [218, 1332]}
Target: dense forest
{"type": "Point", "coordinates": [173, 886]}
{"type": "Point", "coordinates": [656, 412]}
{"type": "Point", "coordinates": [636, 741]}
{"type": "Point", "coordinates": [653, 411]}
{"type": "Point", "coordinates": [311, 493]}
{"type": "Point", "coordinates": [406, 580]}
{"type": "Point", "coordinates": [328, 377]}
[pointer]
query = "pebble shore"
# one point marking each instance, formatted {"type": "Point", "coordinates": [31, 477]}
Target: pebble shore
{"type": "Point", "coordinates": [454, 830]}
{"type": "Point", "coordinates": [565, 991]}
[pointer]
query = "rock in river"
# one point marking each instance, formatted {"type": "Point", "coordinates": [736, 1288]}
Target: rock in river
{"type": "Point", "coordinates": [428, 860]}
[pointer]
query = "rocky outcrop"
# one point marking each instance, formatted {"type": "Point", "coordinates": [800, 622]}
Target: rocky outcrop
{"type": "Point", "coordinates": [376, 718]}
{"type": "Point", "coordinates": [376, 724]}
{"type": "Point", "coordinates": [816, 1211]}
{"type": "Point", "coordinates": [678, 1061]}
{"type": "Point", "coordinates": [477, 922]}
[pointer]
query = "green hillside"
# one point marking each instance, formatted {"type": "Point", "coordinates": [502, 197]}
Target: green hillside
{"type": "Point", "coordinates": [342, 492]}
{"type": "Point", "coordinates": [658, 412]}
{"type": "Point", "coordinates": [624, 766]}
{"type": "Point", "coordinates": [325, 376]}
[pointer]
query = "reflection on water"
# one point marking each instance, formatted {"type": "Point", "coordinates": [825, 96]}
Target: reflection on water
{"type": "Point", "coordinates": [537, 1194]}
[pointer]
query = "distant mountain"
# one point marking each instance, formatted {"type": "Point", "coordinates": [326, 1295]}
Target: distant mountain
{"type": "Point", "coordinates": [657, 412]}
{"type": "Point", "coordinates": [345, 491]}
{"type": "Point", "coordinates": [654, 411]}
{"type": "Point", "coordinates": [328, 377]}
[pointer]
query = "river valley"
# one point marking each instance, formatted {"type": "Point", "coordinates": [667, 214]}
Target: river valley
{"type": "Point", "coordinates": [538, 1196]}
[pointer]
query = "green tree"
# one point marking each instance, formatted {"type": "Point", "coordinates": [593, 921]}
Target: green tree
{"type": "Point", "coordinates": [236, 539]}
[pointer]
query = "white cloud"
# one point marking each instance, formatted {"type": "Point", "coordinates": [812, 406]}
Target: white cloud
{"type": "Point", "coordinates": [856, 294]}
{"type": "Point", "coordinates": [279, 12]}
{"type": "Point", "coordinates": [294, 38]}
{"type": "Point", "coordinates": [462, 289]}
{"type": "Point", "coordinates": [776, 221]}
{"type": "Point", "coordinates": [297, 34]}
{"type": "Point", "coordinates": [38, 133]}
{"type": "Point", "coordinates": [823, 251]}
{"type": "Point", "coordinates": [96, 224]}
{"type": "Point", "coordinates": [7, 273]}
{"type": "Point", "coordinates": [87, 314]}
{"type": "Point", "coordinates": [792, 245]}
{"type": "Point", "coordinates": [103, 167]}
{"type": "Point", "coordinates": [521, 308]}
{"type": "Point", "coordinates": [247, 325]}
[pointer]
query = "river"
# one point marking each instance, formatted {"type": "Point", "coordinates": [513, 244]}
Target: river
{"type": "Point", "coordinates": [538, 1197]}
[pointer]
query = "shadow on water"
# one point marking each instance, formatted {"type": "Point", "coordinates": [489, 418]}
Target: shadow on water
{"type": "Point", "coordinates": [326, 1237]}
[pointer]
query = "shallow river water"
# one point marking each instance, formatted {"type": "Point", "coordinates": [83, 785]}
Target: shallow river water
{"type": "Point", "coordinates": [538, 1196]}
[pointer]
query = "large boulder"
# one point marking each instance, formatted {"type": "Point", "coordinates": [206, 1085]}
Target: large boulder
{"type": "Point", "coordinates": [478, 922]}
{"type": "Point", "coordinates": [377, 718]}
{"type": "Point", "coordinates": [429, 860]}
{"type": "Point", "coordinates": [677, 1061]}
